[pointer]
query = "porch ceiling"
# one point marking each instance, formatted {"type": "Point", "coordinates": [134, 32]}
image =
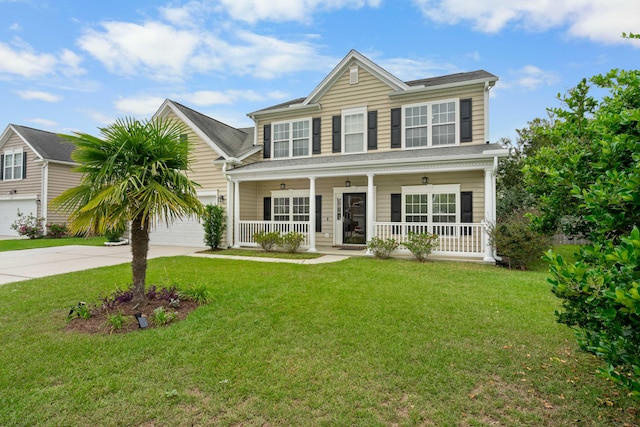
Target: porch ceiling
{"type": "Point", "coordinates": [469, 157]}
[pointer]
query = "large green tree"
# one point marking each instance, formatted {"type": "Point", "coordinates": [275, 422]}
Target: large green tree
{"type": "Point", "coordinates": [592, 175]}
{"type": "Point", "coordinates": [133, 174]}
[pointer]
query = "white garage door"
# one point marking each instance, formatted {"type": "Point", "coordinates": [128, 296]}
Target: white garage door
{"type": "Point", "coordinates": [185, 232]}
{"type": "Point", "coordinates": [9, 213]}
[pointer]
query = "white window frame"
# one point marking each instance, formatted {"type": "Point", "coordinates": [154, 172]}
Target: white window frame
{"type": "Point", "coordinates": [353, 112]}
{"type": "Point", "coordinates": [12, 167]}
{"type": "Point", "coordinates": [290, 139]}
{"type": "Point", "coordinates": [430, 125]}
{"type": "Point", "coordinates": [430, 191]}
{"type": "Point", "coordinates": [289, 194]}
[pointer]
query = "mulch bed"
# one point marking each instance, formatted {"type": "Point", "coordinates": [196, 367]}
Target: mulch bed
{"type": "Point", "coordinates": [98, 323]}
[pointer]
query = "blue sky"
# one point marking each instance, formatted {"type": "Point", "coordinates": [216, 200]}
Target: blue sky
{"type": "Point", "coordinates": [76, 65]}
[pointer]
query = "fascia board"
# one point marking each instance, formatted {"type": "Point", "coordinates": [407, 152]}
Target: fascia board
{"type": "Point", "coordinates": [295, 108]}
{"type": "Point", "coordinates": [420, 89]}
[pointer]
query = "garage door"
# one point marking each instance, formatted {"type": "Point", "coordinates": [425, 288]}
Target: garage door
{"type": "Point", "coordinates": [185, 232]}
{"type": "Point", "coordinates": [9, 213]}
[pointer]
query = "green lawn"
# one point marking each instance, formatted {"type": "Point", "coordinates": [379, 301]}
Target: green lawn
{"type": "Point", "coordinates": [18, 244]}
{"type": "Point", "coordinates": [361, 342]}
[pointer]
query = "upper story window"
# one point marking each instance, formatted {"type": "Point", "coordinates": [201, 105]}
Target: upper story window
{"type": "Point", "coordinates": [12, 165]}
{"type": "Point", "coordinates": [431, 124]}
{"type": "Point", "coordinates": [291, 139]}
{"type": "Point", "coordinates": [354, 136]}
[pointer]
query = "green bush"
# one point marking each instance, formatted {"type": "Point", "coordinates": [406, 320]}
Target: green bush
{"type": "Point", "coordinates": [382, 248]}
{"type": "Point", "coordinates": [56, 230]}
{"type": "Point", "coordinates": [291, 241]}
{"type": "Point", "coordinates": [517, 242]}
{"type": "Point", "coordinates": [28, 225]}
{"type": "Point", "coordinates": [214, 225]}
{"type": "Point", "coordinates": [601, 302]}
{"type": "Point", "coordinates": [114, 233]}
{"type": "Point", "coordinates": [421, 244]}
{"type": "Point", "coordinates": [267, 240]}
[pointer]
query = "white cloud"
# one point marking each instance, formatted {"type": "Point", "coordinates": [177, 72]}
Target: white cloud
{"type": "Point", "coordinates": [15, 27]}
{"type": "Point", "coordinates": [209, 97]}
{"type": "Point", "coordinates": [529, 78]}
{"type": "Point", "coordinates": [70, 63]}
{"type": "Point", "coordinates": [38, 95]}
{"type": "Point", "coordinates": [132, 49]}
{"type": "Point", "coordinates": [252, 11]}
{"type": "Point", "coordinates": [19, 59]}
{"type": "Point", "coordinates": [139, 105]}
{"type": "Point", "coordinates": [412, 69]}
{"type": "Point", "coordinates": [43, 122]}
{"type": "Point", "coordinates": [598, 20]}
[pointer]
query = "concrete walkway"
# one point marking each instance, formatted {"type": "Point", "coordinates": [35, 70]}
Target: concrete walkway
{"type": "Point", "coordinates": [34, 263]}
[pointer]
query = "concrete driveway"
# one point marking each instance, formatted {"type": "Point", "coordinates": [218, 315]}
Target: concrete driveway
{"type": "Point", "coordinates": [33, 263]}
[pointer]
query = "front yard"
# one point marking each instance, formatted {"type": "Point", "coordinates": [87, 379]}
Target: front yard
{"type": "Point", "coordinates": [358, 342]}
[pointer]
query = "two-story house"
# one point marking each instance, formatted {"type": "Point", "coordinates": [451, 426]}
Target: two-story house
{"type": "Point", "coordinates": [35, 167]}
{"type": "Point", "coordinates": [364, 154]}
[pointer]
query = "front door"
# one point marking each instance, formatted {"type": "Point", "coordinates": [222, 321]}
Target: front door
{"type": "Point", "coordinates": [354, 218]}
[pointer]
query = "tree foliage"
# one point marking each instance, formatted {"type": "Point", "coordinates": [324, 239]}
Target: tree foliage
{"type": "Point", "coordinates": [592, 176]}
{"type": "Point", "coordinates": [214, 225]}
{"type": "Point", "coordinates": [134, 173]}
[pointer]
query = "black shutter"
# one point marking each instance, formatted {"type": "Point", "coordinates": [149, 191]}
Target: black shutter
{"type": "Point", "coordinates": [315, 132]}
{"type": "Point", "coordinates": [396, 208]}
{"type": "Point", "coordinates": [266, 139]}
{"type": "Point", "coordinates": [372, 134]}
{"type": "Point", "coordinates": [24, 165]}
{"type": "Point", "coordinates": [336, 132]}
{"type": "Point", "coordinates": [1, 166]}
{"type": "Point", "coordinates": [465, 120]}
{"type": "Point", "coordinates": [266, 206]}
{"type": "Point", "coordinates": [396, 125]}
{"type": "Point", "coordinates": [318, 214]}
{"type": "Point", "coordinates": [466, 210]}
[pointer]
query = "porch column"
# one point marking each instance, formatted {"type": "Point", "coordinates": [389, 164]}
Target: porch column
{"type": "Point", "coordinates": [229, 206]}
{"type": "Point", "coordinates": [371, 207]}
{"type": "Point", "coordinates": [312, 214]}
{"type": "Point", "coordinates": [236, 214]}
{"type": "Point", "coordinates": [489, 211]}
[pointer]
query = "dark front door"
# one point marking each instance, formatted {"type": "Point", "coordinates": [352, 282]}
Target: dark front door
{"type": "Point", "coordinates": [354, 218]}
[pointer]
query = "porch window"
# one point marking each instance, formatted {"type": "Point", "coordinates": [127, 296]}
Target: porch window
{"type": "Point", "coordinates": [354, 135]}
{"type": "Point", "coordinates": [430, 124]}
{"type": "Point", "coordinates": [281, 208]}
{"type": "Point", "coordinates": [433, 203]}
{"type": "Point", "coordinates": [291, 139]}
{"type": "Point", "coordinates": [291, 206]}
{"type": "Point", "coordinates": [12, 166]}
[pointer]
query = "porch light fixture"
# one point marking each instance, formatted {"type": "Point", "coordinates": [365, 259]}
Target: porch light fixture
{"type": "Point", "coordinates": [283, 186]}
{"type": "Point", "coordinates": [425, 179]}
{"type": "Point", "coordinates": [221, 197]}
{"type": "Point", "coordinates": [347, 183]}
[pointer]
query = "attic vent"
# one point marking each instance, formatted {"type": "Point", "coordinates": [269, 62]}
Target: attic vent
{"type": "Point", "coordinates": [353, 75]}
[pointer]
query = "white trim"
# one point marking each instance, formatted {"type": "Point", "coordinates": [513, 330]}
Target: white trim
{"type": "Point", "coordinates": [13, 153]}
{"type": "Point", "coordinates": [431, 190]}
{"type": "Point", "coordinates": [430, 125]}
{"type": "Point", "coordinates": [290, 149]}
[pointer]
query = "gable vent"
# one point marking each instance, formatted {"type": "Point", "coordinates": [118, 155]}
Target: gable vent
{"type": "Point", "coordinates": [353, 75]}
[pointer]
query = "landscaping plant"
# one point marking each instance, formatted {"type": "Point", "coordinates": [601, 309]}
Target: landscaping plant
{"type": "Point", "coordinates": [382, 248]}
{"type": "Point", "coordinates": [267, 240]}
{"type": "Point", "coordinates": [291, 241]}
{"type": "Point", "coordinates": [214, 225]}
{"type": "Point", "coordinates": [28, 225]}
{"type": "Point", "coordinates": [421, 244]}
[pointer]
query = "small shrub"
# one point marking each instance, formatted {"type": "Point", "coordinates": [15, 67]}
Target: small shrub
{"type": "Point", "coordinates": [82, 310]}
{"type": "Point", "coordinates": [56, 230]}
{"type": "Point", "coordinates": [162, 317]}
{"type": "Point", "coordinates": [198, 293]}
{"type": "Point", "coordinates": [517, 241]}
{"type": "Point", "coordinates": [421, 244]}
{"type": "Point", "coordinates": [28, 225]}
{"type": "Point", "coordinates": [168, 294]}
{"type": "Point", "coordinates": [267, 240]}
{"type": "Point", "coordinates": [382, 248]}
{"type": "Point", "coordinates": [118, 297]}
{"type": "Point", "coordinates": [291, 241]}
{"type": "Point", "coordinates": [116, 321]}
{"type": "Point", "coordinates": [214, 225]}
{"type": "Point", "coordinates": [114, 233]}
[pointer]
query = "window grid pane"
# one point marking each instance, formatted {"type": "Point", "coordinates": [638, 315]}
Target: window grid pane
{"type": "Point", "coordinates": [416, 208]}
{"type": "Point", "coordinates": [281, 209]}
{"type": "Point", "coordinates": [354, 133]}
{"type": "Point", "coordinates": [300, 138]}
{"type": "Point", "coordinates": [281, 140]}
{"type": "Point", "coordinates": [416, 126]}
{"type": "Point", "coordinates": [300, 207]}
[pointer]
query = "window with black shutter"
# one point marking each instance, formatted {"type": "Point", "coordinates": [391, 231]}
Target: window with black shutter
{"type": "Point", "coordinates": [466, 134]}
{"type": "Point", "coordinates": [396, 124]}
{"type": "Point", "coordinates": [466, 210]}
{"type": "Point", "coordinates": [316, 140]}
{"type": "Point", "coordinates": [336, 129]}
{"type": "Point", "coordinates": [266, 139]}
{"type": "Point", "coordinates": [372, 130]}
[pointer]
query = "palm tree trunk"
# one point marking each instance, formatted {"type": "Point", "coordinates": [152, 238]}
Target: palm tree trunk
{"type": "Point", "coordinates": [139, 251]}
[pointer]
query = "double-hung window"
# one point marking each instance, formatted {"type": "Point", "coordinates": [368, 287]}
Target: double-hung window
{"type": "Point", "coordinates": [291, 206]}
{"type": "Point", "coordinates": [291, 139]}
{"type": "Point", "coordinates": [431, 124]}
{"type": "Point", "coordinates": [12, 168]}
{"type": "Point", "coordinates": [354, 130]}
{"type": "Point", "coordinates": [433, 204]}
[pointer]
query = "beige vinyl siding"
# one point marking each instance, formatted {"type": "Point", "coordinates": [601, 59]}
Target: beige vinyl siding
{"type": "Point", "coordinates": [61, 178]}
{"type": "Point", "coordinates": [32, 185]}
{"type": "Point", "coordinates": [373, 94]}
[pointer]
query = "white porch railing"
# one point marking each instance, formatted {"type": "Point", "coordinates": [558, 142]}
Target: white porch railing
{"type": "Point", "coordinates": [248, 228]}
{"type": "Point", "coordinates": [464, 239]}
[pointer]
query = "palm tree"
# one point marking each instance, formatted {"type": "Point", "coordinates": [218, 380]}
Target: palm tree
{"type": "Point", "coordinates": [134, 173]}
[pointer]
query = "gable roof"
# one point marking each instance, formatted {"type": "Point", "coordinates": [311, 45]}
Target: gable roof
{"type": "Point", "coordinates": [396, 86]}
{"type": "Point", "coordinates": [227, 141]}
{"type": "Point", "coordinates": [46, 145]}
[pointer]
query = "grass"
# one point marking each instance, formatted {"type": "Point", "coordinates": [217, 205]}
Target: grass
{"type": "Point", "coordinates": [262, 254]}
{"type": "Point", "coordinates": [19, 244]}
{"type": "Point", "coordinates": [361, 342]}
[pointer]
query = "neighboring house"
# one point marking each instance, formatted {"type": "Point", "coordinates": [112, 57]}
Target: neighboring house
{"type": "Point", "coordinates": [35, 167]}
{"type": "Point", "coordinates": [365, 154]}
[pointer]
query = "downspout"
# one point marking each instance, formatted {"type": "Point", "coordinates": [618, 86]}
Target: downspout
{"type": "Point", "coordinates": [229, 205]}
{"type": "Point", "coordinates": [44, 194]}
